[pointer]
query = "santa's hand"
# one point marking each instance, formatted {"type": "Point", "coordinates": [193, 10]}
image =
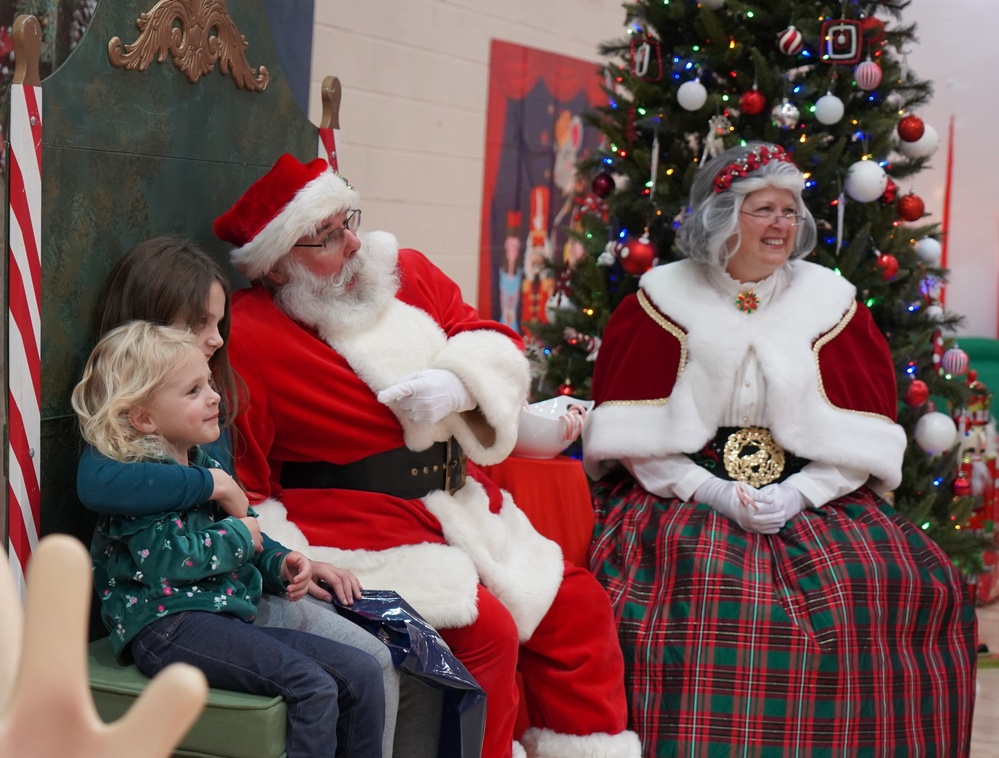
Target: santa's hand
{"type": "Point", "coordinates": [426, 397]}
{"type": "Point", "coordinates": [741, 503]}
{"type": "Point", "coordinates": [790, 501]}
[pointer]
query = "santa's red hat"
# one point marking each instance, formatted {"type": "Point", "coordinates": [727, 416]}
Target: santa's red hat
{"type": "Point", "coordinates": [287, 203]}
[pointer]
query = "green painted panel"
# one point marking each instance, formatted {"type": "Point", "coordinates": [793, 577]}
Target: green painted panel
{"type": "Point", "coordinates": [128, 155]}
{"type": "Point", "coordinates": [101, 207]}
{"type": "Point", "coordinates": [91, 105]}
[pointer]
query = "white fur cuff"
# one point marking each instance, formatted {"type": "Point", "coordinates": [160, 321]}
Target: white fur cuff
{"type": "Point", "coordinates": [544, 743]}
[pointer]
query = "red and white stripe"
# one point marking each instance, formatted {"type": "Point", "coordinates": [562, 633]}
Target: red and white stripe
{"type": "Point", "coordinates": [24, 168]}
{"type": "Point", "coordinates": [327, 146]}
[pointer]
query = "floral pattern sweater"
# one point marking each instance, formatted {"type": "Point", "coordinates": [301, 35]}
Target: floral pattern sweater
{"type": "Point", "coordinates": [147, 567]}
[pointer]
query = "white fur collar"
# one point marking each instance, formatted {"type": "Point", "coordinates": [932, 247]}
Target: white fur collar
{"type": "Point", "coordinates": [684, 290]}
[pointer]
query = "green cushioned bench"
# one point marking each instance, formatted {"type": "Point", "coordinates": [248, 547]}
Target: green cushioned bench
{"type": "Point", "coordinates": [233, 724]}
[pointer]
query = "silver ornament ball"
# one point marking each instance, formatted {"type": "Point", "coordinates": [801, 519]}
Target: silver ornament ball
{"type": "Point", "coordinates": [785, 114]}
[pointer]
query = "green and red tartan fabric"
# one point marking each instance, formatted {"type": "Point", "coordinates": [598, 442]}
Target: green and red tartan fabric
{"type": "Point", "coordinates": [849, 633]}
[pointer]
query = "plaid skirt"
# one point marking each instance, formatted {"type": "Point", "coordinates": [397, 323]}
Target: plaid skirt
{"type": "Point", "coordinates": [848, 633]}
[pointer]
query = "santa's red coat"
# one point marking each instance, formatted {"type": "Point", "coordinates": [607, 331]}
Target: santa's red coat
{"type": "Point", "coordinates": [308, 403]}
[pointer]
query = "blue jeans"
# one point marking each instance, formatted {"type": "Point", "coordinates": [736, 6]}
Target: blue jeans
{"type": "Point", "coordinates": [334, 692]}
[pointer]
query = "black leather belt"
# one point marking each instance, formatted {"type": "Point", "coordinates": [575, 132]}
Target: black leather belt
{"type": "Point", "coordinates": [748, 454]}
{"type": "Point", "coordinates": [399, 472]}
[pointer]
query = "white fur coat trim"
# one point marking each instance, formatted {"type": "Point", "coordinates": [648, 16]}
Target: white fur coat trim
{"type": "Point", "coordinates": [544, 743]}
{"type": "Point", "coordinates": [501, 550]}
{"type": "Point", "coordinates": [405, 339]}
{"type": "Point", "coordinates": [439, 581]}
{"type": "Point", "coordinates": [718, 337]}
{"type": "Point", "coordinates": [519, 566]}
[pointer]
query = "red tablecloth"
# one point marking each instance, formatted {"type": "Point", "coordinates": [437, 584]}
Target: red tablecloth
{"type": "Point", "coordinates": [555, 495]}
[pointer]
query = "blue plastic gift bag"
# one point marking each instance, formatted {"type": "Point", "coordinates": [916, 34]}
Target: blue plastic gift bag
{"type": "Point", "coordinates": [419, 650]}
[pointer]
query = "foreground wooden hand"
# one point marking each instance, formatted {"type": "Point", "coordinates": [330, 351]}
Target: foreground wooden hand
{"type": "Point", "coordinates": [46, 708]}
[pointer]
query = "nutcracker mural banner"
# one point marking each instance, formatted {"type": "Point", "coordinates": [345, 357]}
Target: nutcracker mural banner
{"type": "Point", "coordinates": [534, 138]}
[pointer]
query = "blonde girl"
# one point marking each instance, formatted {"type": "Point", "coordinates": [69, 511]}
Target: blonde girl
{"type": "Point", "coordinates": [184, 585]}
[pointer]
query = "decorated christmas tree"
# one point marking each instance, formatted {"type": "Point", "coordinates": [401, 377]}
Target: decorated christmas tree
{"type": "Point", "coordinates": [829, 82]}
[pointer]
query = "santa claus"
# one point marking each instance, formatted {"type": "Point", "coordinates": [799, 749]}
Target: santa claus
{"type": "Point", "coordinates": [374, 391]}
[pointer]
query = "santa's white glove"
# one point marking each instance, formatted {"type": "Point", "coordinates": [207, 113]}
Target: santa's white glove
{"type": "Point", "coordinates": [425, 397]}
{"type": "Point", "coordinates": [787, 497]}
{"type": "Point", "coordinates": [745, 510]}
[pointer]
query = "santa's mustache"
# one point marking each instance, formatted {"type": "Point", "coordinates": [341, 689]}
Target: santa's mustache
{"type": "Point", "coordinates": [350, 298]}
{"type": "Point", "coordinates": [352, 267]}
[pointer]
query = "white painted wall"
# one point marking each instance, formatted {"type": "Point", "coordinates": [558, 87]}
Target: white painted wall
{"type": "Point", "coordinates": [962, 69]}
{"type": "Point", "coordinates": [415, 76]}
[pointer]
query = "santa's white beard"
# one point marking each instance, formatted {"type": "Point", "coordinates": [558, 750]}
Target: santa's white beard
{"type": "Point", "coordinates": [329, 304]}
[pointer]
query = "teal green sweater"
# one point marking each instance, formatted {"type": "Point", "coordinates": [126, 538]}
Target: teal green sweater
{"type": "Point", "coordinates": [147, 567]}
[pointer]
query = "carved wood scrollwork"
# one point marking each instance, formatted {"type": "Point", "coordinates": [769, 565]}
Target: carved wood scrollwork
{"type": "Point", "coordinates": [196, 34]}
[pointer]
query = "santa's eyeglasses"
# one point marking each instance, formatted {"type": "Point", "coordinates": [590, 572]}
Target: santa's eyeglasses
{"type": "Point", "coordinates": [334, 239]}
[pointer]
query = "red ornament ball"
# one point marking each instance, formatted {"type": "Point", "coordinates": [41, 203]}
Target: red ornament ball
{"type": "Point", "coordinates": [602, 184]}
{"type": "Point", "coordinates": [638, 255]}
{"type": "Point", "coordinates": [911, 129]}
{"type": "Point", "coordinates": [962, 486]}
{"type": "Point", "coordinates": [889, 266]}
{"type": "Point", "coordinates": [890, 193]}
{"type": "Point", "coordinates": [790, 41]}
{"type": "Point", "coordinates": [752, 102]}
{"type": "Point", "coordinates": [910, 207]}
{"type": "Point", "coordinates": [917, 394]}
{"type": "Point", "coordinates": [872, 29]}
{"type": "Point", "coordinates": [566, 388]}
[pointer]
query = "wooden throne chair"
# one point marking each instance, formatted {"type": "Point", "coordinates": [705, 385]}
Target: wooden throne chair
{"type": "Point", "coordinates": [156, 122]}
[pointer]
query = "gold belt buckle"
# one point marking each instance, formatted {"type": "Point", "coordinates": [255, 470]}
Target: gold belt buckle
{"type": "Point", "coordinates": [757, 467]}
{"type": "Point", "coordinates": [454, 469]}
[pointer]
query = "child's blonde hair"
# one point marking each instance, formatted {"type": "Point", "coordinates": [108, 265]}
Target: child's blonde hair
{"type": "Point", "coordinates": [126, 368]}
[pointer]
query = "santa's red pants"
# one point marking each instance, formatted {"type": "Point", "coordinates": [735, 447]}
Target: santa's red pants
{"type": "Point", "coordinates": [572, 667]}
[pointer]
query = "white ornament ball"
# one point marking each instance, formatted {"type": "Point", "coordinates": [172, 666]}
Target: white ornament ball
{"type": "Point", "coordinates": [931, 287]}
{"type": "Point", "coordinates": [935, 432]}
{"type": "Point", "coordinates": [713, 4]}
{"type": "Point", "coordinates": [865, 181]}
{"type": "Point", "coordinates": [691, 95]}
{"type": "Point", "coordinates": [929, 250]}
{"type": "Point", "coordinates": [829, 109]}
{"type": "Point", "coordinates": [923, 147]}
{"type": "Point", "coordinates": [934, 312]}
{"type": "Point", "coordinates": [785, 114]}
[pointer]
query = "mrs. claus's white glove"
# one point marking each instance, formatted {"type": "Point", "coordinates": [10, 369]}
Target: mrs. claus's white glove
{"type": "Point", "coordinates": [790, 501]}
{"type": "Point", "coordinates": [747, 511]}
{"type": "Point", "coordinates": [425, 397]}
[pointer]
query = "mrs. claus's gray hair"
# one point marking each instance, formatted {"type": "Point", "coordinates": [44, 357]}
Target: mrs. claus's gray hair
{"type": "Point", "coordinates": [710, 231]}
